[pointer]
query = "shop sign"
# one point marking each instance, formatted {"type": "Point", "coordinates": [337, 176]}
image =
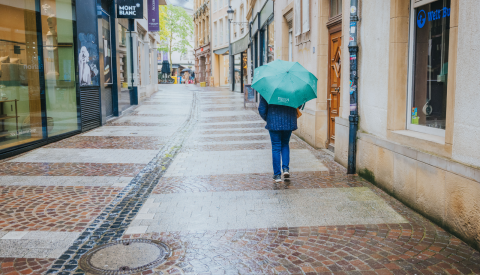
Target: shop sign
{"type": "Point", "coordinates": [131, 9]}
{"type": "Point", "coordinates": [432, 16]}
{"type": "Point", "coordinates": [153, 24]}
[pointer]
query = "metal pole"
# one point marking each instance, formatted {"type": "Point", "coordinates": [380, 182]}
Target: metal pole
{"type": "Point", "coordinates": [353, 50]}
{"type": "Point", "coordinates": [230, 56]}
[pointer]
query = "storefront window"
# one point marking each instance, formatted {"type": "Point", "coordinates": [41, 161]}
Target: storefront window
{"type": "Point", "coordinates": [107, 48]}
{"type": "Point", "coordinates": [58, 51]}
{"type": "Point", "coordinates": [122, 35]}
{"type": "Point", "coordinates": [237, 67]}
{"type": "Point", "coordinates": [20, 72]}
{"type": "Point", "coordinates": [245, 68]}
{"type": "Point", "coordinates": [428, 96]}
{"type": "Point", "coordinates": [271, 43]}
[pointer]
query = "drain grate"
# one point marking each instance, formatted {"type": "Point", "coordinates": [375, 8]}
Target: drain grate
{"type": "Point", "coordinates": [125, 257]}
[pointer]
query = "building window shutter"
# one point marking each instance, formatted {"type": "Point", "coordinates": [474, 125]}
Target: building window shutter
{"type": "Point", "coordinates": [298, 17]}
{"type": "Point", "coordinates": [305, 16]}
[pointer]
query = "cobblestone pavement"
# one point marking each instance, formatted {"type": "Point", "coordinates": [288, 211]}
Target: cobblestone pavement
{"type": "Point", "coordinates": [191, 167]}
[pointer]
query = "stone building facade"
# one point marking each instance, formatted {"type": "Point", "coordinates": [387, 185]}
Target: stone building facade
{"type": "Point", "coordinates": [202, 41]}
{"type": "Point", "coordinates": [418, 133]}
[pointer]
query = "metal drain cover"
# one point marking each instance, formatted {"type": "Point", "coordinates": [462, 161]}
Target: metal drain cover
{"type": "Point", "coordinates": [125, 257]}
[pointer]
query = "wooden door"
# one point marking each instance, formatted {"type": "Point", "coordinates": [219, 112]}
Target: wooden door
{"type": "Point", "coordinates": [335, 55]}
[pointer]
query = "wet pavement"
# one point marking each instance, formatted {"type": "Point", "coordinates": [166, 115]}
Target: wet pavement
{"type": "Point", "coordinates": [191, 167]}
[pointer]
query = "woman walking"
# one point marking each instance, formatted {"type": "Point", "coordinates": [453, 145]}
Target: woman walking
{"type": "Point", "coordinates": [283, 87]}
{"type": "Point", "coordinates": [281, 121]}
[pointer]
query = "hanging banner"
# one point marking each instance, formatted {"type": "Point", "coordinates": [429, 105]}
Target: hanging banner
{"type": "Point", "coordinates": [131, 9]}
{"type": "Point", "coordinates": [153, 24]}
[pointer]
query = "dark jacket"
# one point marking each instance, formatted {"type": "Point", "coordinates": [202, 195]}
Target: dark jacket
{"type": "Point", "coordinates": [278, 118]}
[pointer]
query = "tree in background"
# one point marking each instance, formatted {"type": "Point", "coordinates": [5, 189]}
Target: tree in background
{"type": "Point", "coordinates": [176, 27]}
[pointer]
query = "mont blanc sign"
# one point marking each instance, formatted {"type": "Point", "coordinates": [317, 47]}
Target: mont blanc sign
{"type": "Point", "coordinates": [132, 9]}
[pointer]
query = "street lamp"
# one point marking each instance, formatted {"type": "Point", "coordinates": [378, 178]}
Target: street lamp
{"type": "Point", "coordinates": [230, 56]}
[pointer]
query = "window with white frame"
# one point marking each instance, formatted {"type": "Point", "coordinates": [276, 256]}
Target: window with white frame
{"type": "Point", "coordinates": [226, 29]}
{"type": "Point", "coordinates": [215, 5]}
{"type": "Point", "coordinates": [305, 16]}
{"type": "Point", "coordinates": [220, 40]}
{"type": "Point", "coordinates": [298, 17]}
{"type": "Point", "coordinates": [235, 25]}
{"type": "Point", "coordinates": [428, 66]}
{"type": "Point", "coordinates": [242, 19]}
{"type": "Point", "coordinates": [215, 34]}
{"type": "Point", "coordinates": [302, 16]}
{"type": "Point", "coordinates": [335, 7]}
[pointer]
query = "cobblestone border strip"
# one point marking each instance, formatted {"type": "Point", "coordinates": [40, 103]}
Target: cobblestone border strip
{"type": "Point", "coordinates": [116, 217]}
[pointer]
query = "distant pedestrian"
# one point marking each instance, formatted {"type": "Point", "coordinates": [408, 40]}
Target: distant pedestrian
{"type": "Point", "coordinates": [281, 121]}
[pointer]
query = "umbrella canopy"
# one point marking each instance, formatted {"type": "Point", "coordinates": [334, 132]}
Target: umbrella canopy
{"type": "Point", "coordinates": [285, 83]}
{"type": "Point", "coordinates": [165, 67]}
{"type": "Point", "coordinates": [187, 70]}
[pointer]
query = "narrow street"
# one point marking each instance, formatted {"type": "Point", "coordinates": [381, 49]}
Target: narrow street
{"type": "Point", "coordinates": [191, 167]}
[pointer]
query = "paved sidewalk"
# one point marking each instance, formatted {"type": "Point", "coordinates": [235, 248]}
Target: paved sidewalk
{"type": "Point", "coordinates": [191, 167]}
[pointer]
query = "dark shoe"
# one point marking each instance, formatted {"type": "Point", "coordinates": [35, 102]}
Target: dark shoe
{"type": "Point", "coordinates": [286, 173]}
{"type": "Point", "coordinates": [277, 178]}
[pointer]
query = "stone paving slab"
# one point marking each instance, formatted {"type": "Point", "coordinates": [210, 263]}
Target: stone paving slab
{"type": "Point", "coordinates": [64, 181]}
{"type": "Point", "coordinates": [222, 183]}
{"type": "Point", "coordinates": [132, 131]}
{"type": "Point", "coordinates": [68, 155]}
{"type": "Point", "coordinates": [262, 133]}
{"type": "Point", "coordinates": [35, 244]}
{"type": "Point", "coordinates": [263, 209]}
{"type": "Point", "coordinates": [238, 162]}
{"type": "Point", "coordinates": [230, 123]}
{"type": "Point", "coordinates": [266, 141]}
{"type": "Point", "coordinates": [139, 119]}
{"type": "Point", "coordinates": [227, 113]}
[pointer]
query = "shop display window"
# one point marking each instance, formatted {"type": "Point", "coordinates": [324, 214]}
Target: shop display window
{"type": "Point", "coordinates": [237, 68]}
{"type": "Point", "coordinates": [429, 66]}
{"type": "Point", "coordinates": [271, 43]}
{"type": "Point", "coordinates": [36, 54]}
{"type": "Point", "coordinates": [20, 71]}
{"type": "Point", "coordinates": [58, 18]}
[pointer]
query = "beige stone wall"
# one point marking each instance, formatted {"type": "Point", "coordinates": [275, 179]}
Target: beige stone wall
{"type": "Point", "coordinates": [443, 190]}
{"type": "Point", "coordinates": [466, 132]}
{"type": "Point", "coordinates": [437, 176]}
{"type": "Point", "coordinates": [313, 123]}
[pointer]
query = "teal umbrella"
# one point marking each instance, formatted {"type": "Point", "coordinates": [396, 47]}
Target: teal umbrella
{"type": "Point", "coordinates": [285, 83]}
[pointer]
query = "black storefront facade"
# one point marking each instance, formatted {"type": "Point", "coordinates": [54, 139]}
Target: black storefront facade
{"type": "Point", "coordinates": [58, 70]}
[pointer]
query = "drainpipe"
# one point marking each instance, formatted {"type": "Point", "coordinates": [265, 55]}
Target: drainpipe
{"type": "Point", "coordinates": [353, 118]}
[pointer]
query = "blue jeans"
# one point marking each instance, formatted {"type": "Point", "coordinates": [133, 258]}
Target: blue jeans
{"type": "Point", "coordinates": [280, 141]}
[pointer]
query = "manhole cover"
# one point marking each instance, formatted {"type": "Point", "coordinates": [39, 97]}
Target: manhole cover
{"type": "Point", "coordinates": [125, 257]}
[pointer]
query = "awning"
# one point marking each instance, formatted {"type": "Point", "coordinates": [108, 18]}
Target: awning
{"type": "Point", "coordinates": [240, 45]}
{"type": "Point", "coordinates": [174, 66]}
{"type": "Point", "coordinates": [221, 51]}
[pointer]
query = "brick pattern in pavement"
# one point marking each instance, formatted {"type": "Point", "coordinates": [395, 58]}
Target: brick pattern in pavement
{"type": "Point", "coordinates": [52, 208]}
{"type": "Point", "coordinates": [21, 266]}
{"type": "Point", "coordinates": [69, 169]}
{"type": "Point", "coordinates": [109, 142]}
